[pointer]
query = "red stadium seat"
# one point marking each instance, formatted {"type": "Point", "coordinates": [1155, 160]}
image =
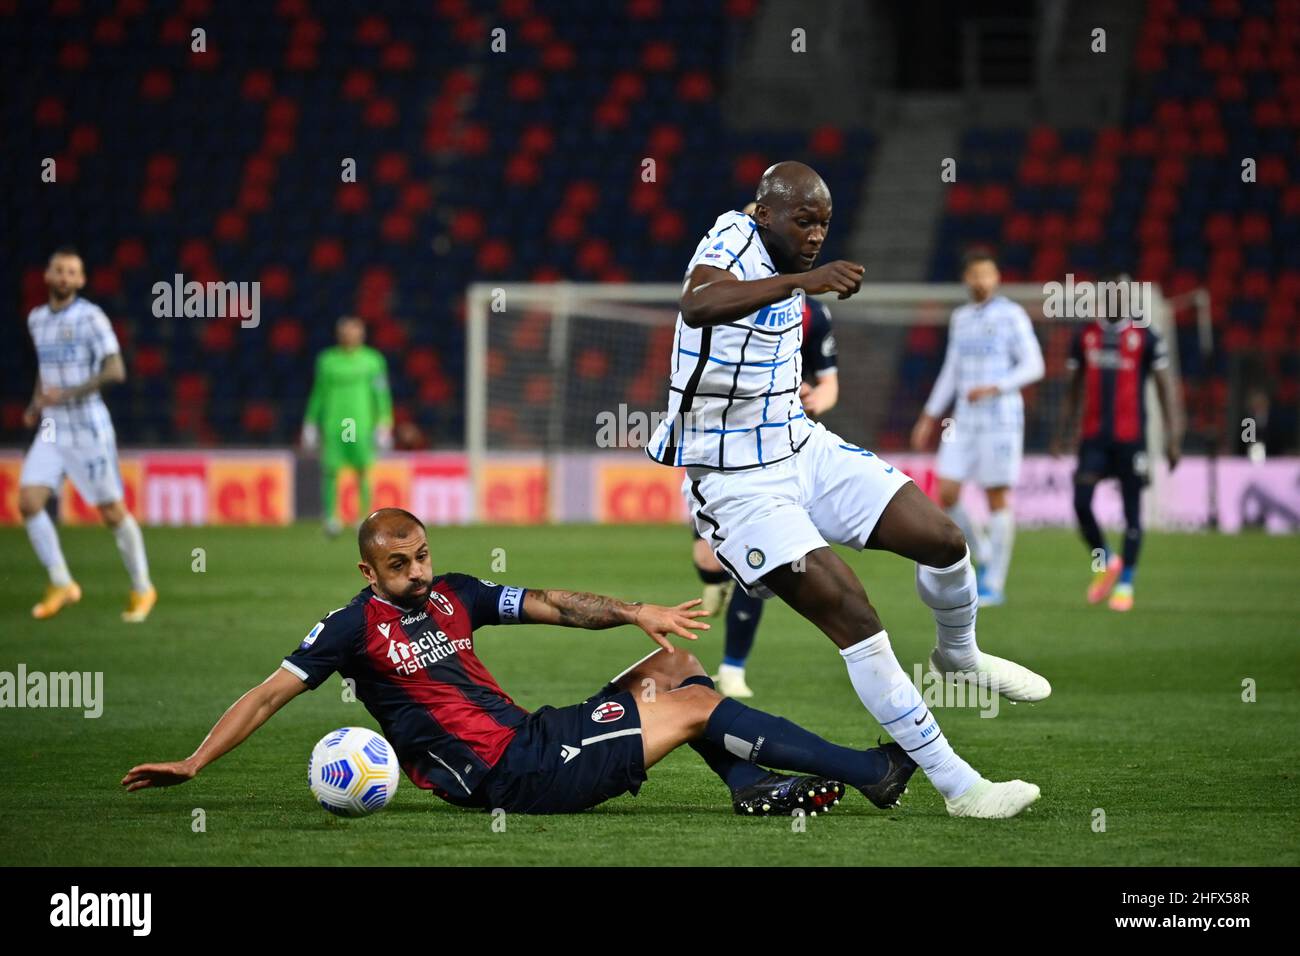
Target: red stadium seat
{"type": "Point", "coordinates": [667, 227]}
{"type": "Point", "coordinates": [962, 199]}
{"type": "Point", "coordinates": [627, 86]}
{"type": "Point", "coordinates": [391, 168]}
{"type": "Point", "coordinates": [522, 170]}
{"type": "Point", "coordinates": [327, 255]}
{"type": "Point", "coordinates": [695, 87]}
{"type": "Point", "coordinates": [592, 364]}
{"type": "Point", "coordinates": [537, 139]}
{"type": "Point", "coordinates": [398, 57]}
{"type": "Point", "coordinates": [658, 56]}
{"type": "Point", "coordinates": [358, 85]}
{"type": "Point", "coordinates": [258, 417]}
{"type": "Point", "coordinates": [277, 283]}
{"type": "Point", "coordinates": [287, 335]}
{"type": "Point", "coordinates": [351, 197]}
{"type": "Point", "coordinates": [559, 57]}
{"type": "Point", "coordinates": [826, 141]}
{"type": "Point", "coordinates": [565, 227]}
{"type": "Point", "coordinates": [466, 226]}
{"type": "Point", "coordinates": [397, 227]}
{"type": "Point", "coordinates": [494, 256]}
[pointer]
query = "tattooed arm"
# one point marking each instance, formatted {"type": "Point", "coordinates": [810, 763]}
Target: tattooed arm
{"type": "Point", "coordinates": [596, 612]}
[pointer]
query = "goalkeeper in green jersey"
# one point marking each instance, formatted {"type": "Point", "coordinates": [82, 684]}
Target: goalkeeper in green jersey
{"type": "Point", "coordinates": [349, 415]}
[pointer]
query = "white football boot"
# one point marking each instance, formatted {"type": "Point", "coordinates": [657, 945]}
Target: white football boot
{"type": "Point", "coordinates": [987, 800]}
{"type": "Point", "coordinates": [1005, 677]}
{"type": "Point", "coordinates": [716, 596]}
{"type": "Point", "coordinates": [729, 681]}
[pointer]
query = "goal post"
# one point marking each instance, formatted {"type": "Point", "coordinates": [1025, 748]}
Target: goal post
{"type": "Point", "coordinates": [545, 362]}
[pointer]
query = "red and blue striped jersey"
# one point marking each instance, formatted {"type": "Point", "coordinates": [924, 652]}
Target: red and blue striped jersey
{"type": "Point", "coordinates": [417, 674]}
{"type": "Point", "coordinates": [1115, 359]}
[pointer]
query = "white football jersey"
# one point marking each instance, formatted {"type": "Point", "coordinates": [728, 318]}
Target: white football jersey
{"type": "Point", "coordinates": [71, 345]}
{"type": "Point", "coordinates": [733, 395]}
{"type": "Point", "coordinates": [989, 343]}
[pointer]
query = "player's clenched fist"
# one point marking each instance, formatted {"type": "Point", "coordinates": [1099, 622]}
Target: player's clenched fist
{"type": "Point", "coordinates": [839, 276]}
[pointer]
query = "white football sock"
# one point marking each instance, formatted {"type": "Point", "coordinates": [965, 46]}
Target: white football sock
{"type": "Point", "coordinates": [1002, 534]}
{"type": "Point", "coordinates": [130, 544]}
{"type": "Point", "coordinates": [45, 542]}
{"type": "Point", "coordinates": [895, 702]}
{"type": "Point", "coordinates": [951, 594]}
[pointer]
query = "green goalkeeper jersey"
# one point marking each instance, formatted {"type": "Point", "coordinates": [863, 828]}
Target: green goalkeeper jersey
{"type": "Point", "coordinates": [350, 383]}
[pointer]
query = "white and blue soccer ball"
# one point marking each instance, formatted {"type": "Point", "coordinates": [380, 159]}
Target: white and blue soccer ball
{"type": "Point", "coordinates": [353, 772]}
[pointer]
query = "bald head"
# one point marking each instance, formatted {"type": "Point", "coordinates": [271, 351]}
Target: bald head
{"type": "Point", "coordinates": [791, 184]}
{"type": "Point", "coordinates": [395, 557]}
{"type": "Point", "coordinates": [384, 528]}
{"type": "Point", "coordinates": [793, 213]}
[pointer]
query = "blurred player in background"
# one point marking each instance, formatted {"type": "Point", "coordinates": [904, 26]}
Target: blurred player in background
{"type": "Point", "coordinates": [349, 415]}
{"type": "Point", "coordinates": [992, 354]}
{"type": "Point", "coordinates": [818, 394]}
{"type": "Point", "coordinates": [77, 354]}
{"type": "Point", "coordinates": [1109, 362]}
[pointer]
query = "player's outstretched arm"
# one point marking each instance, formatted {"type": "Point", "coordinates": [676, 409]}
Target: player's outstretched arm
{"type": "Point", "coordinates": [715, 296]}
{"type": "Point", "coordinates": [236, 724]}
{"type": "Point", "coordinates": [596, 612]}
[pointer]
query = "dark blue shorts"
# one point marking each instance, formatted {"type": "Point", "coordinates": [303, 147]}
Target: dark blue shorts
{"type": "Point", "coordinates": [567, 759]}
{"type": "Point", "coordinates": [1107, 459]}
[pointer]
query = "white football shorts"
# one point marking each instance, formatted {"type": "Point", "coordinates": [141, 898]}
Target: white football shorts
{"type": "Point", "coordinates": [756, 520]}
{"type": "Point", "coordinates": [990, 457]}
{"type": "Point", "coordinates": [91, 466]}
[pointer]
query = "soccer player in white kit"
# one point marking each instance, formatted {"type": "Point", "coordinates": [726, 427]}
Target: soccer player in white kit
{"type": "Point", "coordinates": [992, 354]}
{"type": "Point", "coordinates": [77, 354]}
{"type": "Point", "coordinates": [769, 488]}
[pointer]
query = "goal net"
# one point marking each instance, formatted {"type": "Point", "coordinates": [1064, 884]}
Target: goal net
{"type": "Point", "coordinates": [545, 360]}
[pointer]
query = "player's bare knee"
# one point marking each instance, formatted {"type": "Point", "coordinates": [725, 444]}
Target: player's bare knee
{"type": "Point", "coordinates": [31, 500]}
{"type": "Point", "coordinates": [698, 703]}
{"type": "Point", "coordinates": [689, 665]}
{"type": "Point", "coordinates": [948, 546]}
{"type": "Point", "coordinates": [113, 513]}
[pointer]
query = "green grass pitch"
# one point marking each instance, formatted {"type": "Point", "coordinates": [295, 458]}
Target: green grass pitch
{"type": "Point", "coordinates": [1146, 723]}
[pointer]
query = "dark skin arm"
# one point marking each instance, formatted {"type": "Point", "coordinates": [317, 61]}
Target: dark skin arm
{"type": "Point", "coordinates": [1064, 437]}
{"type": "Point", "coordinates": [596, 612]}
{"type": "Point", "coordinates": [1172, 414]}
{"type": "Point", "coordinates": [714, 296]}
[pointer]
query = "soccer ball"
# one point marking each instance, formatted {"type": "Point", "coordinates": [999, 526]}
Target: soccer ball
{"type": "Point", "coordinates": [353, 772]}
